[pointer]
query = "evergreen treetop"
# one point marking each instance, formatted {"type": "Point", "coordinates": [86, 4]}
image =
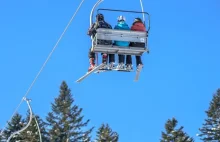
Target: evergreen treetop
{"type": "Point", "coordinates": [105, 134]}
{"type": "Point", "coordinates": [16, 124]}
{"type": "Point", "coordinates": [210, 130]}
{"type": "Point", "coordinates": [65, 121]}
{"type": "Point", "coordinates": [174, 134]}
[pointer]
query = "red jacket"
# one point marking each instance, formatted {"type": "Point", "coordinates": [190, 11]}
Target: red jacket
{"type": "Point", "coordinates": [138, 26]}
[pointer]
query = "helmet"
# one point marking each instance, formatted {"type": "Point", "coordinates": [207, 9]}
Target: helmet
{"type": "Point", "coordinates": [137, 19]}
{"type": "Point", "coordinates": [99, 17]}
{"type": "Point", "coordinates": [121, 18]}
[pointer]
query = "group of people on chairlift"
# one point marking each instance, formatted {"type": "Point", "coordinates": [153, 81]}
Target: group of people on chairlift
{"type": "Point", "coordinates": [137, 25]}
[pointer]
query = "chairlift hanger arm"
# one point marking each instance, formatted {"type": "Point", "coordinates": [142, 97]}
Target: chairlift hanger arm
{"type": "Point", "coordinates": [129, 11]}
{"type": "Point", "coordinates": [92, 11]}
{"type": "Point", "coordinates": [29, 122]}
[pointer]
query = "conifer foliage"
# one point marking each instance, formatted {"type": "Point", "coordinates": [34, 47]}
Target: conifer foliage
{"type": "Point", "coordinates": [105, 134]}
{"type": "Point", "coordinates": [173, 134]}
{"type": "Point", "coordinates": [36, 130]}
{"type": "Point", "coordinates": [210, 130]}
{"type": "Point", "coordinates": [16, 124]}
{"type": "Point", "coordinates": [1, 135]}
{"type": "Point", "coordinates": [65, 121]}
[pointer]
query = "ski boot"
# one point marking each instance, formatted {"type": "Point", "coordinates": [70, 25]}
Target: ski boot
{"type": "Point", "coordinates": [111, 65]}
{"type": "Point", "coordinates": [120, 66]}
{"type": "Point", "coordinates": [104, 60]}
{"type": "Point", "coordinates": [139, 66]}
{"type": "Point", "coordinates": [129, 67]}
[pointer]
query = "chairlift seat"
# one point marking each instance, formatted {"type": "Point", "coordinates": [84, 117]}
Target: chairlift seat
{"type": "Point", "coordinates": [119, 35]}
{"type": "Point", "coordinates": [112, 49]}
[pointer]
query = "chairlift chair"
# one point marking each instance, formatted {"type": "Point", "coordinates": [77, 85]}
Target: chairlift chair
{"type": "Point", "coordinates": [121, 35]}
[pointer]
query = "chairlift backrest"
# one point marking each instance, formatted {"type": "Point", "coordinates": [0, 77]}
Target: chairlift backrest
{"type": "Point", "coordinates": [121, 35]}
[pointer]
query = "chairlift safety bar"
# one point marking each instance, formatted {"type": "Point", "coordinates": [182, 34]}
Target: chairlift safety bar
{"type": "Point", "coordinates": [104, 9]}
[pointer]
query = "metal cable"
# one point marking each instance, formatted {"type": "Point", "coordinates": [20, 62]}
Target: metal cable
{"type": "Point", "coordinates": [46, 61]}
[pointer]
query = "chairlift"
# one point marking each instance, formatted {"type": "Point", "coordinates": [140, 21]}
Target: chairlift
{"type": "Point", "coordinates": [118, 35]}
{"type": "Point", "coordinates": [121, 35]}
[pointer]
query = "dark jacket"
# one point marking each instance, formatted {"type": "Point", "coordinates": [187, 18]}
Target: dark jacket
{"type": "Point", "coordinates": [95, 26]}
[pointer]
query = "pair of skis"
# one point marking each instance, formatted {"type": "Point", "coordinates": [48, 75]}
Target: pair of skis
{"type": "Point", "coordinates": [98, 70]}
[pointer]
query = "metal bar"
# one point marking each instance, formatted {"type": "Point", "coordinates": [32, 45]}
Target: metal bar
{"type": "Point", "coordinates": [91, 21]}
{"type": "Point", "coordinates": [38, 129]}
{"type": "Point", "coordinates": [104, 9]}
{"type": "Point", "coordinates": [92, 11]}
{"type": "Point", "coordinates": [122, 10]}
{"type": "Point", "coordinates": [142, 9]}
{"type": "Point", "coordinates": [118, 50]}
{"type": "Point", "coordinates": [30, 119]}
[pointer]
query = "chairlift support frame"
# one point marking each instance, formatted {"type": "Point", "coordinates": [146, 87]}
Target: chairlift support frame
{"type": "Point", "coordinates": [119, 35]}
{"type": "Point", "coordinates": [28, 124]}
{"type": "Point", "coordinates": [129, 11]}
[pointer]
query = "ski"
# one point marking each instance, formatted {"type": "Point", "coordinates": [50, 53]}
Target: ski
{"type": "Point", "coordinates": [124, 70]}
{"type": "Point", "coordinates": [138, 71]}
{"type": "Point", "coordinates": [101, 70]}
{"type": "Point", "coordinates": [88, 73]}
{"type": "Point", "coordinates": [120, 70]}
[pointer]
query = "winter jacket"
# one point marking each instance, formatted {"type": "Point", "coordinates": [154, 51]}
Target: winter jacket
{"type": "Point", "coordinates": [138, 26]}
{"type": "Point", "coordinates": [95, 26]}
{"type": "Point", "coordinates": [122, 26]}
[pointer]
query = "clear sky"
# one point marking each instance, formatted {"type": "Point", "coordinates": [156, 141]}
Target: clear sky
{"type": "Point", "coordinates": [179, 77]}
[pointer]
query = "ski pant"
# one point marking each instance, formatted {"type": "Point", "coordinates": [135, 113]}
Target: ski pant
{"type": "Point", "coordinates": [129, 60]}
{"type": "Point", "coordinates": [121, 59]}
{"type": "Point", "coordinates": [111, 58]}
{"type": "Point", "coordinates": [103, 42]}
{"type": "Point", "coordinates": [138, 58]}
{"type": "Point", "coordinates": [92, 55]}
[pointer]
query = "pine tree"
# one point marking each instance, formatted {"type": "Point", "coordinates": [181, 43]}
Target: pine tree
{"type": "Point", "coordinates": [173, 134]}
{"type": "Point", "coordinates": [65, 121]}
{"type": "Point", "coordinates": [105, 134]}
{"type": "Point", "coordinates": [17, 123]}
{"type": "Point", "coordinates": [31, 134]}
{"type": "Point", "coordinates": [210, 130]}
{"type": "Point", "coordinates": [1, 136]}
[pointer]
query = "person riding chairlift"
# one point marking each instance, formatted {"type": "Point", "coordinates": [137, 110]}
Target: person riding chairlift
{"type": "Point", "coordinates": [137, 25]}
{"type": "Point", "coordinates": [121, 25]}
{"type": "Point", "coordinates": [100, 23]}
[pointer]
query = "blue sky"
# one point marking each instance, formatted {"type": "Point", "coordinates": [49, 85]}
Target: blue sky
{"type": "Point", "coordinates": [179, 77]}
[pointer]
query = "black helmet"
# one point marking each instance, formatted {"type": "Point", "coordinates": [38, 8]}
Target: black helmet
{"type": "Point", "coordinates": [99, 17]}
{"type": "Point", "coordinates": [137, 19]}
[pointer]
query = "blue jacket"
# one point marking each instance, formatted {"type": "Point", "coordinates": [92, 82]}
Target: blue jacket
{"type": "Point", "coordinates": [122, 26]}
